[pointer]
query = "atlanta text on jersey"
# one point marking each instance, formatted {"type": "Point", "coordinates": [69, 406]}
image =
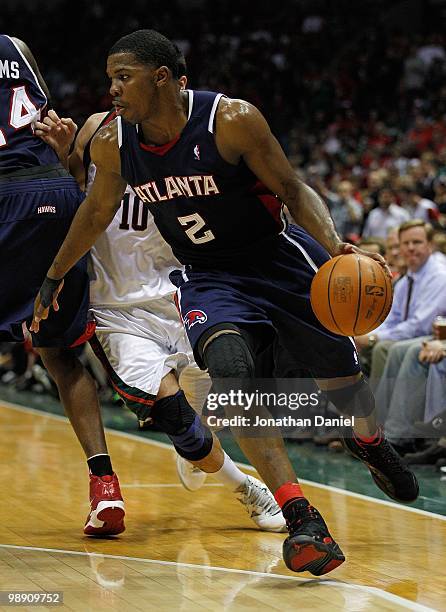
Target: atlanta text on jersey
{"type": "Point", "coordinates": [178, 186]}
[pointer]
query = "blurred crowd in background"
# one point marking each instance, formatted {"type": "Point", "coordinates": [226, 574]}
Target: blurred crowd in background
{"type": "Point", "coordinates": [354, 91]}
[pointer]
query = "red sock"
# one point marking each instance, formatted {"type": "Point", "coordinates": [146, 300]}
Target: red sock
{"type": "Point", "coordinates": [289, 490]}
{"type": "Point", "coordinates": [368, 439]}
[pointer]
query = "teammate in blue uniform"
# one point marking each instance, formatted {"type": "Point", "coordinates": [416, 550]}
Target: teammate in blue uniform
{"type": "Point", "coordinates": [207, 167]}
{"type": "Point", "coordinates": [38, 200]}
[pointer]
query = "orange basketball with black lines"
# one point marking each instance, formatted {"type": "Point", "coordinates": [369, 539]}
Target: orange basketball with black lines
{"type": "Point", "coordinates": [351, 294]}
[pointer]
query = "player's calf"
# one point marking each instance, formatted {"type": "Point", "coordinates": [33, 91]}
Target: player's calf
{"type": "Point", "coordinates": [191, 439]}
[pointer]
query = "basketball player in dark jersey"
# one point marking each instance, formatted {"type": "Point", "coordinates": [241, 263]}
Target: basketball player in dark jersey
{"type": "Point", "coordinates": [208, 169]}
{"type": "Point", "coordinates": [38, 200]}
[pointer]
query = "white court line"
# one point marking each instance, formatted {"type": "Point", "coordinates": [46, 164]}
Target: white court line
{"type": "Point", "coordinates": [406, 603]}
{"type": "Point", "coordinates": [166, 485]}
{"type": "Point", "coordinates": [318, 485]}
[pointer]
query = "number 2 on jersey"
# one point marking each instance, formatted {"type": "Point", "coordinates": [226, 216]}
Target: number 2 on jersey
{"type": "Point", "coordinates": [197, 223]}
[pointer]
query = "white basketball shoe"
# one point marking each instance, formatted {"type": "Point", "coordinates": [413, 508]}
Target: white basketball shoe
{"type": "Point", "coordinates": [254, 495]}
{"type": "Point", "coordinates": [191, 477]}
{"type": "Point", "coordinates": [261, 506]}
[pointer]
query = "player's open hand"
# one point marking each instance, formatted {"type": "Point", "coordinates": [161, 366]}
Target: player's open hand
{"type": "Point", "coordinates": [58, 133]}
{"type": "Point", "coordinates": [46, 298]}
{"type": "Point", "coordinates": [348, 248]}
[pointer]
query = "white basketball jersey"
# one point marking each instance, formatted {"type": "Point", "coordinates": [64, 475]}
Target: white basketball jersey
{"type": "Point", "coordinates": [131, 261]}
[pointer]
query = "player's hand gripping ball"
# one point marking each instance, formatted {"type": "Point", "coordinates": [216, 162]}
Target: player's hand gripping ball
{"type": "Point", "coordinates": [351, 294]}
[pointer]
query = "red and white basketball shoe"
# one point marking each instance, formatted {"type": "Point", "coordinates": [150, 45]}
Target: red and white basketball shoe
{"type": "Point", "coordinates": [107, 511]}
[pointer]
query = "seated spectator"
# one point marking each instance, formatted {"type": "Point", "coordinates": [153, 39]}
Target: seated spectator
{"type": "Point", "coordinates": [373, 245]}
{"type": "Point", "coordinates": [439, 246]}
{"type": "Point", "coordinates": [440, 197]}
{"type": "Point", "coordinates": [385, 217]}
{"type": "Point", "coordinates": [345, 210]}
{"type": "Point", "coordinates": [418, 207]}
{"type": "Point", "coordinates": [393, 256]}
{"type": "Point", "coordinates": [419, 297]}
{"type": "Point", "coordinates": [400, 394]}
{"type": "Point", "coordinates": [412, 389]}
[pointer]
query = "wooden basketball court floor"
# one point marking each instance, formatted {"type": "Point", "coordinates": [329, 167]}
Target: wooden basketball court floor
{"type": "Point", "coordinates": [192, 551]}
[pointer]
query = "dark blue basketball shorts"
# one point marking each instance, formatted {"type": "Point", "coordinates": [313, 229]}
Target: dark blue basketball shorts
{"type": "Point", "coordinates": [273, 291]}
{"type": "Point", "coordinates": [35, 216]}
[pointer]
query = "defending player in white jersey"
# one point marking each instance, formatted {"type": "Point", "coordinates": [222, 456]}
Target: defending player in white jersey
{"type": "Point", "coordinates": [139, 337]}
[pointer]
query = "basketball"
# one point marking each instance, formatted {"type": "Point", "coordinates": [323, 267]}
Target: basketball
{"type": "Point", "coordinates": [351, 295]}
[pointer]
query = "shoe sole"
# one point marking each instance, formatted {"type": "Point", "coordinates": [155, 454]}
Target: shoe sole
{"type": "Point", "coordinates": [282, 528]}
{"type": "Point", "coordinates": [381, 482]}
{"type": "Point", "coordinates": [112, 518]}
{"type": "Point", "coordinates": [303, 554]}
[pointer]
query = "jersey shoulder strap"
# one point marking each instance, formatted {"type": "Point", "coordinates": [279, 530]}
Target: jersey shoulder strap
{"type": "Point", "coordinates": [86, 158]}
{"type": "Point", "coordinates": [203, 105]}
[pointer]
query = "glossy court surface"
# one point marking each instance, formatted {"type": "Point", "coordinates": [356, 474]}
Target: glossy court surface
{"type": "Point", "coordinates": [192, 551]}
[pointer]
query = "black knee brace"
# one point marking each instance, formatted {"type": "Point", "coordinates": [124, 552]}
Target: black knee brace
{"type": "Point", "coordinates": [354, 400]}
{"type": "Point", "coordinates": [175, 417]}
{"type": "Point", "coordinates": [228, 356]}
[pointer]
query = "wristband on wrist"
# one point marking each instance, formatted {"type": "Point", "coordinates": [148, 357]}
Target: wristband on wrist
{"type": "Point", "coordinates": [47, 290]}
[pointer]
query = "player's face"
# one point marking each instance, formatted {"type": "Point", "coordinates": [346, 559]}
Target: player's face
{"type": "Point", "coordinates": [415, 247]}
{"type": "Point", "coordinates": [133, 86]}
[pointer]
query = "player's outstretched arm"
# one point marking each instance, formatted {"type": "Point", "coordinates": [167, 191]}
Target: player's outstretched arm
{"type": "Point", "coordinates": [242, 131]}
{"type": "Point", "coordinates": [92, 218]}
{"type": "Point", "coordinates": [60, 134]}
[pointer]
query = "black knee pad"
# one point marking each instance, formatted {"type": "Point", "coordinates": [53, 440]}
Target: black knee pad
{"type": "Point", "coordinates": [175, 417]}
{"type": "Point", "coordinates": [228, 356]}
{"type": "Point", "coordinates": [354, 400]}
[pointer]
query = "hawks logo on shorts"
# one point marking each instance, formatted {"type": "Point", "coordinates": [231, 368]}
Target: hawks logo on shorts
{"type": "Point", "coordinates": [194, 316]}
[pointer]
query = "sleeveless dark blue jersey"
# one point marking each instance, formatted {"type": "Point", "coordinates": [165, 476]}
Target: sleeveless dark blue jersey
{"type": "Point", "coordinates": [21, 103]}
{"type": "Point", "coordinates": [209, 211]}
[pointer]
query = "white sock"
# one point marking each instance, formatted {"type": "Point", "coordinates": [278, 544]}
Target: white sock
{"type": "Point", "coordinates": [229, 474]}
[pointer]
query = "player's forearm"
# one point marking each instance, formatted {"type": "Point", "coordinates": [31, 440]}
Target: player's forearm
{"type": "Point", "coordinates": [310, 212]}
{"type": "Point", "coordinates": [64, 159]}
{"type": "Point", "coordinates": [85, 229]}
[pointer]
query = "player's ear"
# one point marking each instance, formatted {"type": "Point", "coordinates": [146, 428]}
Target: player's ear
{"type": "Point", "coordinates": [162, 76]}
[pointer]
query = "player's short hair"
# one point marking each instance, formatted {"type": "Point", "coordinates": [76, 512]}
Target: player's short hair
{"type": "Point", "coordinates": [181, 64]}
{"type": "Point", "coordinates": [151, 48]}
{"type": "Point", "coordinates": [417, 223]}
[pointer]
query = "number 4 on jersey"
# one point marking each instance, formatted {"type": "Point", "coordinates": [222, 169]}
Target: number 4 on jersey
{"type": "Point", "coordinates": [23, 112]}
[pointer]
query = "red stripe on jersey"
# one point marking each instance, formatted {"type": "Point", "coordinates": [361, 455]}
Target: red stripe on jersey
{"type": "Point", "coordinates": [270, 201]}
{"type": "Point", "coordinates": [160, 149]}
{"type": "Point", "coordinates": [113, 114]}
{"type": "Point", "coordinates": [177, 304]}
{"type": "Point", "coordinates": [133, 398]}
{"type": "Point", "coordinates": [85, 337]}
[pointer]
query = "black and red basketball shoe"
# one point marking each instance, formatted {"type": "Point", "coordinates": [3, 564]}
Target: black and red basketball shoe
{"type": "Point", "coordinates": [107, 511]}
{"type": "Point", "coordinates": [309, 547]}
{"type": "Point", "coordinates": [385, 466]}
